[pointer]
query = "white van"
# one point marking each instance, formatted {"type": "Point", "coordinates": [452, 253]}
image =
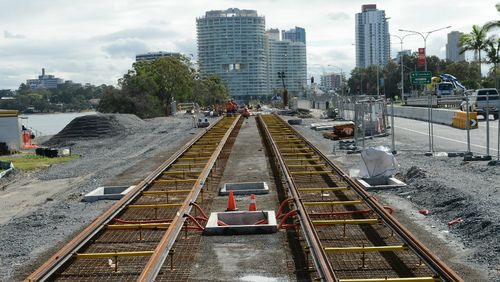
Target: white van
{"type": "Point", "coordinates": [481, 100]}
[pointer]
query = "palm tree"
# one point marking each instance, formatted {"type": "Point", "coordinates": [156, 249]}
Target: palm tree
{"type": "Point", "coordinates": [493, 55]}
{"type": "Point", "coordinates": [475, 41]}
{"type": "Point", "coordinates": [494, 24]}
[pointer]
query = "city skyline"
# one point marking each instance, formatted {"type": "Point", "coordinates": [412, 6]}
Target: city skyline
{"type": "Point", "coordinates": [94, 42]}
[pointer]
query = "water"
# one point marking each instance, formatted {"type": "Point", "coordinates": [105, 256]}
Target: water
{"type": "Point", "coordinates": [49, 124]}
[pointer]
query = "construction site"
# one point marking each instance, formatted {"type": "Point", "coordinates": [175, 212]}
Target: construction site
{"type": "Point", "coordinates": [247, 199]}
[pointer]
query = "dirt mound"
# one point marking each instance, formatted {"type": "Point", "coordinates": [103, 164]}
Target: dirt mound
{"type": "Point", "coordinates": [414, 173]}
{"type": "Point", "coordinates": [96, 126]}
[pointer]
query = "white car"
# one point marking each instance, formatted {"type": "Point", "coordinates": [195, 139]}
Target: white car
{"type": "Point", "coordinates": [483, 100]}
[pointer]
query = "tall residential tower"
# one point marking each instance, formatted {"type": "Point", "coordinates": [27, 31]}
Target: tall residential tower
{"type": "Point", "coordinates": [452, 49]}
{"type": "Point", "coordinates": [232, 44]}
{"type": "Point", "coordinates": [289, 58]}
{"type": "Point", "coordinates": [372, 37]}
{"type": "Point", "coordinates": [297, 34]}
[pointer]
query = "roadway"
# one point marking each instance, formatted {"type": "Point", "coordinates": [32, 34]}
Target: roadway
{"type": "Point", "coordinates": [414, 134]}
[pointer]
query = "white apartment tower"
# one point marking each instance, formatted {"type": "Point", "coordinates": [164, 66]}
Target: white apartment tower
{"type": "Point", "coordinates": [372, 37]}
{"type": "Point", "coordinates": [452, 48]}
{"type": "Point", "coordinates": [288, 58]}
{"type": "Point", "coordinates": [232, 44]}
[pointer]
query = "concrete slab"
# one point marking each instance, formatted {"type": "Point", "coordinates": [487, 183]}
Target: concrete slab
{"type": "Point", "coordinates": [244, 188]}
{"type": "Point", "coordinates": [240, 223]}
{"type": "Point", "coordinates": [258, 257]}
{"type": "Point", "coordinates": [381, 183]}
{"type": "Point", "coordinates": [107, 193]}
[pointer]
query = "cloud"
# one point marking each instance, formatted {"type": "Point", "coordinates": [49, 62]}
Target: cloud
{"type": "Point", "coordinates": [137, 33]}
{"type": "Point", "coordinates": [125, 48]}
{"type": "Point", "coordinates": [11, 35]}
{"type": "Point", "coordinates": [339, 16]}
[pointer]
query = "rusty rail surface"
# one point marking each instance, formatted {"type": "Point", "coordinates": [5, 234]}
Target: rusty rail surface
{"type": "Point", "coordinates": [133, 238]}
{"type": "Point", "coordinates": [349, 235]}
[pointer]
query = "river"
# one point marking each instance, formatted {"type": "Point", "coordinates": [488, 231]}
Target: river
{"type": "Point", "coordinates": [49, 124]}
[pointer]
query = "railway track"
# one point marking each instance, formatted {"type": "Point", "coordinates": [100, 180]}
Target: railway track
{"type": "Point", "coordinates": [134, 238]}
{"type": "Point", "coordinates": [153, 233]}
{"type": "Point", "coordinates": [347, 233]}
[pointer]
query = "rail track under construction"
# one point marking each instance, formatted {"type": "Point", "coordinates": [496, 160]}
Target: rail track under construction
{"type": "Point", "coordinates": [153, 233]}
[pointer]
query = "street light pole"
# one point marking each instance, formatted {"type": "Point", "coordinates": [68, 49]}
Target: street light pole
{"type": "Point", "coordinates": [431, 125]}
{"type": "Point", "coordinates": [401, 60]}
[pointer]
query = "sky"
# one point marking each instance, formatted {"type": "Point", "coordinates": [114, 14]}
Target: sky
{"type": "Point", "coordinates": [95, 41]}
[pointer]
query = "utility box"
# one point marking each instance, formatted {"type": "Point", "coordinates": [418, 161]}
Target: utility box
{"type": "Point", "coordinates": [10, 129]}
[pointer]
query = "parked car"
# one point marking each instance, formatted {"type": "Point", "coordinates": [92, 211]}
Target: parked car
{"type": "Point", "coordinates": [482, 100]}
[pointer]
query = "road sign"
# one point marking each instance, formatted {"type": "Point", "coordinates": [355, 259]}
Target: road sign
{"type": "Point", "coordinates": [473, 123]}
{"type": "Point", "coordinates": [420, 77]}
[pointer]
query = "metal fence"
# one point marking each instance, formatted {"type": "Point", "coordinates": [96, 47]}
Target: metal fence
{"type": "Point", "coordinates": [369, 114]}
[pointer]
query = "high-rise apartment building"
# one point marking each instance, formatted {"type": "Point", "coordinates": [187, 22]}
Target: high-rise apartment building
{"type": "Point", "coordinates": [273, 34]}
{"type": "Point", "coordinates": [297, 34]}
{"type": "Point", "coordinates": [232, 44]}
{"type": "Point", "coordinates": [372, 37]}
{"type": "Point", "coordinates": [289, 59]}
{"type": "Point", "coordinates": [452, 47]}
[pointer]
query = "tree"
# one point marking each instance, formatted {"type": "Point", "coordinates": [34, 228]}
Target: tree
{"type": "Point", "coordinates": [148, 89]}
{"type": "Point", "coordinates": [475, 41]}
{"type": "Point", "coordinates": [493, 24]}
{"type": "Point", "coordinates": [493, 56]}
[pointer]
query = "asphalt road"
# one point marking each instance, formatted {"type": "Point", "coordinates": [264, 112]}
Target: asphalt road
{"type": "Point", "coordinates": [413, 134]}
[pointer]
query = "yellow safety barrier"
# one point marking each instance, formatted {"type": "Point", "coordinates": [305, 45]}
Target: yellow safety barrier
{"type": "Point", "coordinates": [459, 120]}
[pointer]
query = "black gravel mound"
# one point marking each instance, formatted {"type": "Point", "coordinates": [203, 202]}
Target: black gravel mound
{"type": "Point", "coordinates": [96, 126]}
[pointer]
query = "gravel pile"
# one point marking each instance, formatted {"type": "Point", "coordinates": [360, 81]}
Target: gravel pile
{"type": "Point", "coordinates": [125, 158]}
{"type": "Point", "coordinates": [96, 126]}
{"type": "Point", "coordinates": [451, 189]}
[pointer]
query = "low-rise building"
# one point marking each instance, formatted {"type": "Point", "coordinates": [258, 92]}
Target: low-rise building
{"type": "Point", "coordinates": [151, 56]}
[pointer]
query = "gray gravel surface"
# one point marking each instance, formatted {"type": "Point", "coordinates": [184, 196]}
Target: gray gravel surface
{"type": "Point", "coordinates": [123, 158]}
{"type": "Point", "coordinates": [449, 188]}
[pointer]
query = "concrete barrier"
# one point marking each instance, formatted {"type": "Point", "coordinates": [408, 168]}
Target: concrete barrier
{"type": "Point", "coordinates": [442, 116]}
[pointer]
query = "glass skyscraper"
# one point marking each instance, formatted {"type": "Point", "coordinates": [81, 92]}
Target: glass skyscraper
{"type": "Point", "coordinates": [232, 44]}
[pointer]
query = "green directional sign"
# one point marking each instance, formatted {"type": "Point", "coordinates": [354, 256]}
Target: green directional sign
{"type": "Point", "coordinates": [420, 77]}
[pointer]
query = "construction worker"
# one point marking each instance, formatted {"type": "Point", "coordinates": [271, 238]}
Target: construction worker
{"type": "Point", "coordinates": [230, 107]}
{"type": "Point", "coordinates": [246, 112]}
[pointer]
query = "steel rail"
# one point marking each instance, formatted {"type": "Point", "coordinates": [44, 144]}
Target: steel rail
{"type": "Point", "coordinates": [48, 268]}
{"type": "Point", "coordinates": [320, 259]}
{"type": "Point", "coordinates": [161, 252]}
{"type": "Point", "coordinates": [433, 262]}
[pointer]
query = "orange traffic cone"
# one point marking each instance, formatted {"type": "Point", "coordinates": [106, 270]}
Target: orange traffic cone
{"type": "Point", "coordinates": [231, 204]}
{"type": "Point", "coordinates": [253, 205]}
